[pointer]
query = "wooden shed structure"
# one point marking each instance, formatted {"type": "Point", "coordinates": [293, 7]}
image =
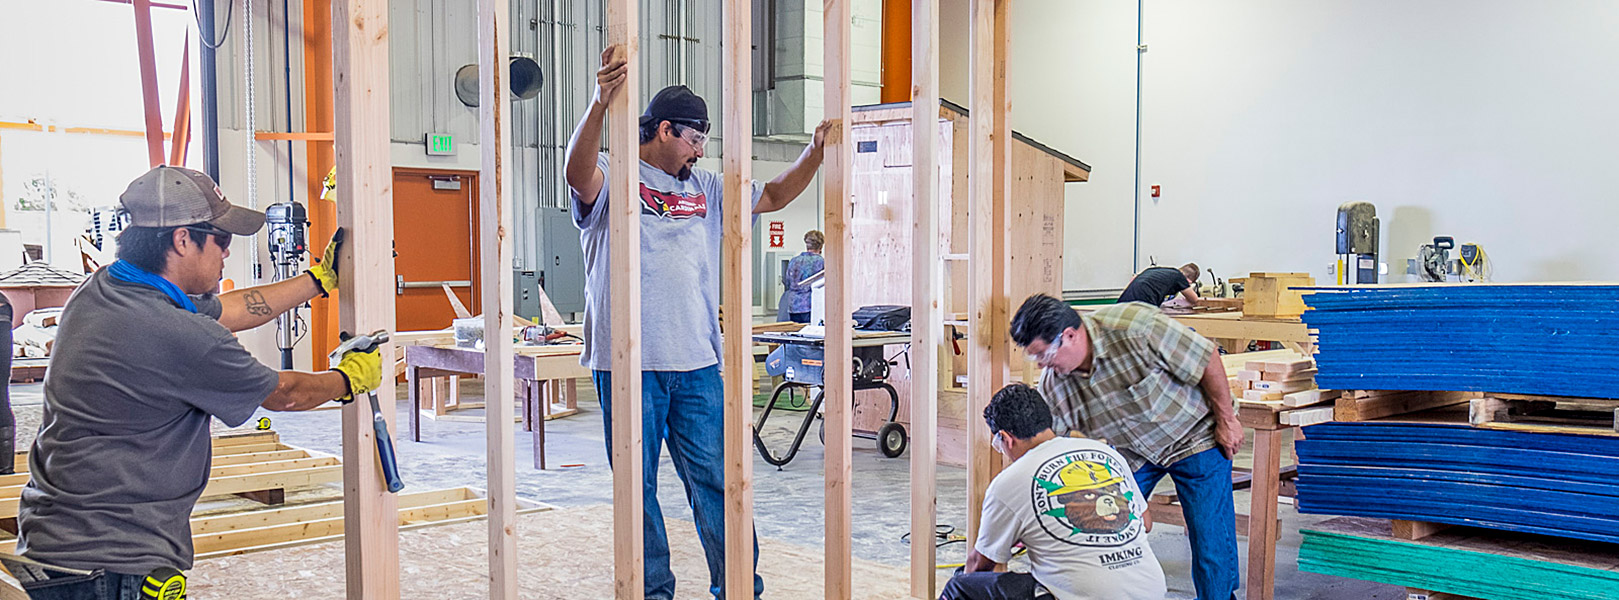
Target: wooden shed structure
{"type": "Point", "coordinates": [37, 285]}
{"type": "Point", "coordinates": [881, 250]}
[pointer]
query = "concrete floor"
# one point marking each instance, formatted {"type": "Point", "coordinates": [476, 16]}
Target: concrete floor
{"type": "Point", "coordinates": [788, 502]}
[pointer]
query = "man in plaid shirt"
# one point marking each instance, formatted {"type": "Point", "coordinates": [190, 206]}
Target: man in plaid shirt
{"type": "Point", "coordinates": [1137, 379]}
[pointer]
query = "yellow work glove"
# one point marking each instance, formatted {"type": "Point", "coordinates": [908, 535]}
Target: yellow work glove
{"type": "Point", "coordinates": [324, 271]}
{"type": "Point", "coordinates": [328, 187]}
{"type": "Point", "coordinates": [363, 370]}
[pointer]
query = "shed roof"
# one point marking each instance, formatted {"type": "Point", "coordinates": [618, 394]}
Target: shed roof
{"type": "Point", "coordinates": [40, 274]}
{"type": "Point", "coordinates": [1074, 170]}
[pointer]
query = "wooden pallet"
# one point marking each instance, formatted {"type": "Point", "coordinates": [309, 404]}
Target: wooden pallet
{"type": "Point", "coordinates": [254, 465]}
{"type": "Point", "coordinates": [1366, 405]}
{"type": "Point", "coordinates": [214, 536]}
{"type": "Point", "coordinates": [1545, 414]}
{"type": "Point", "coordinates": [28, 370]}
{"type": "Point", "coordinates": [273, 528]}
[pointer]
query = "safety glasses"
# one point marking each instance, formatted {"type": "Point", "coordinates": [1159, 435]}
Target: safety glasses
{"type": "Point", "coordinates": [1045, 356]}
{"type": "Point", "coordinates": [694, 132]}
{"type": "Point", "coordinates": [221, 236]}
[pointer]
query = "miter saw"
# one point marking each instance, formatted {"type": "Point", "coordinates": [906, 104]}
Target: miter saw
{"type": "Point", "coordinates": [1433, 262]}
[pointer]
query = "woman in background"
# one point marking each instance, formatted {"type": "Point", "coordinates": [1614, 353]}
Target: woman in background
{"type": "Point", "coordinates": [801, 267]}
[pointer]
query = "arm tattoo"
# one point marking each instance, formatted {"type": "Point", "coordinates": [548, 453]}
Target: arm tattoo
{"type": "Point", "coordinates": [256, 304]}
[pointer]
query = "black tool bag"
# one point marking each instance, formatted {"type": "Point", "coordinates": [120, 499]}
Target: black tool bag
{"type": "Point", "coordinates": [883, 317]}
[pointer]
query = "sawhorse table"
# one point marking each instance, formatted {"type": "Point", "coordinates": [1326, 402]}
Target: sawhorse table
{"type": "Point", "coordinates": [1232, 331]}
{"type": "Point", "coordinates": [1267, 484]}
{"type": "Point", "coordinates": [537, 370]}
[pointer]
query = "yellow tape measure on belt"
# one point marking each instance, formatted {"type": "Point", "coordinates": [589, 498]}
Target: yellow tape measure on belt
{"type": "Point", "coordinates": [164, 584]}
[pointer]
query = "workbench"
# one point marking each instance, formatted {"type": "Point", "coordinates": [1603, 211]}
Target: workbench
{"type": "Point", "coordinates": [539, 370]}
{"type": "Point", "coordinates": [1233, 331]}
{"type": "Point", "coordinates": [1267, 486]}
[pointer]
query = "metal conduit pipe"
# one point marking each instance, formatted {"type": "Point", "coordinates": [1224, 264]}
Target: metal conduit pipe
{"type": "Point", "coordinates": [251, 126]}
{"type": "Point", "coordinates": [210, 89]}
{"type": "Point", "coordinates": [1135, 247]}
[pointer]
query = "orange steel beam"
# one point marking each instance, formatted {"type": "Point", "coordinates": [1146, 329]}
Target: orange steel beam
{"type": "Point", "coordinates": [297, 136]}
{"type": "Point", "coordinates": [319, 159]}
{"type": "Point", "coordinates": [103, 131]}
{"type": "Point", "coordinates": [896, 51]}
{"type": "Point", "coordinates": [32, 126]}
{"type": "Point", "coordinates": [148, 62]}
{"type": "Point", "coordinates": [182, 110]}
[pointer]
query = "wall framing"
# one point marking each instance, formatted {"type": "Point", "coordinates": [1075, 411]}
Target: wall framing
{"type": "Point", "coordinates": [839, 389]}
{"type": "Point", "coordinates": [365, 295]}
{"type": "Point", "coordinates": [495, 260]}
{"type": "Point", "coordinates": [989, 354]}
{"type": "Point", "coordinates": [927, 316]}
{"type": "Point", "coordinates": [624, 222]}
{"type": "Point", "coordinates": [737, 295]}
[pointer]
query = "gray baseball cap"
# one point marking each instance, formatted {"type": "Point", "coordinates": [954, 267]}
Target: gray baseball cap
{"type": "Point", "coordinates": [174, 196]}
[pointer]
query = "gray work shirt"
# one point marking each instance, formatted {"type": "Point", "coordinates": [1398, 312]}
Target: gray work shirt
{"type": "Point", "coordinates": [124, 450]}
{"type": "Point", "coordinates": [681, 231]}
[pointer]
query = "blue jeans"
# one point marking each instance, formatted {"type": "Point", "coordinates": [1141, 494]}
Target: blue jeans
{"type": "Point", "coordinates": [688, 409]}
{"type": "Point", "coordinates": [105, 586]}
{"type": "Point", "coordinates": [1203, 484]}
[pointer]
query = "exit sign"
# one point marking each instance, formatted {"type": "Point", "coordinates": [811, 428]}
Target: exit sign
{"type": "Point", "coordinates": [440, 144]}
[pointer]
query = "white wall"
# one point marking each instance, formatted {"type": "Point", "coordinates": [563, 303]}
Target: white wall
{"type": "Point", "coordinates": [1490, 121]}
{"type": "Point", "coordinates": [1072, 82]}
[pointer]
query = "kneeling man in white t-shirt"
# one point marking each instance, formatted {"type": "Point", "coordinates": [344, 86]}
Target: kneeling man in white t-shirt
{"type": "Point", "coordinates": [1071, 502]}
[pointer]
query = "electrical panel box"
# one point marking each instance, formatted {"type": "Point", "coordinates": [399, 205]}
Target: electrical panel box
{"type": "Point", "coordinates": [525, 294]}
{"type": "Point", "coordinates": [562, 260]}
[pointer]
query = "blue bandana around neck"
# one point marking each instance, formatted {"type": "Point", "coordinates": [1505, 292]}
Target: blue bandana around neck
{"type": "Point", "coordinates": [127, 271]}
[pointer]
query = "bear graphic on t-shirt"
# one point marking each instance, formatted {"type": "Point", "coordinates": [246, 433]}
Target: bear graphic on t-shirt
{"type": "Point", "coordinates": [1084, 498]}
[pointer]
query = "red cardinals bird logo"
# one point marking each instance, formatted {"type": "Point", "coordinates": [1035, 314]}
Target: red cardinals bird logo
{"type": "Point", "coordinates": [673, 205]}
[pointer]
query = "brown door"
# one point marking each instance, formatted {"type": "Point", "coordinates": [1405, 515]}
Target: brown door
{"type": "Point", "coordinates": [436, 239]}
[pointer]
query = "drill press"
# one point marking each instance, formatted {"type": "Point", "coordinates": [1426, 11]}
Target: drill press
{"type": "Point", "coordinates": [287, 223]}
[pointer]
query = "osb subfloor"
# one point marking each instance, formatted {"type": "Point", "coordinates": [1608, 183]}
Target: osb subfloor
{"type": "Point", "coordinates": [562, 554]}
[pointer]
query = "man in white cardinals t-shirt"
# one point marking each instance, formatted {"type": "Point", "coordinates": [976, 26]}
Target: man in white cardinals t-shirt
{"type": "Point", "coordinates": [1071, 503]}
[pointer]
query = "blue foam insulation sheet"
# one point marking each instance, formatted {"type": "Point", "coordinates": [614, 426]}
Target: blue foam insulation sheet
{"type": "Point", "coordinates": [1544, 483]}
{"type": "Point", "coordinates": [1558, 340]}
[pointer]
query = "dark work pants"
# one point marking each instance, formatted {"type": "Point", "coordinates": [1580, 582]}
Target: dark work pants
{"type": "Point", "coordinates": [991, 586]}
{"type": "Point", "coordinates": [8, 421]}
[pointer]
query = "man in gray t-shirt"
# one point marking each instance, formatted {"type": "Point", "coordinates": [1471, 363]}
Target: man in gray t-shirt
{"type": "Point", "coordinates": [144, 359]}
{"type": "Point", "coordinates": [681, 228]}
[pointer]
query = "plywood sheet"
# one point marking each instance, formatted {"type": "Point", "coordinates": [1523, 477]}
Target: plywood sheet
{"type": "Point", "coordinates": [565, 556]}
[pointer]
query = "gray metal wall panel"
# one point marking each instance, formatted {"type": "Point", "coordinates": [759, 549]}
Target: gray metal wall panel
{"type": "Point", "coordinates": [433, 39]}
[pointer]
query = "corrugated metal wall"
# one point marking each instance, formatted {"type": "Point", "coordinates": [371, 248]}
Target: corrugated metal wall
{"type": "Point", "coordinates": [433, 38]}
{"type": "Point", "coordinates": [680, 42]}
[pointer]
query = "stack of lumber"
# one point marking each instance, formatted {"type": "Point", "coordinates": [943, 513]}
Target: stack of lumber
{"type": "Point", "coordinates": [1526, 339]}
{"type": "Point", "coordinates": [1274, 295]}
{"type": "Point", "coordinates": [1366, 405]}
{"type": "Point", "coordinates": [1284, 384]}
{"type": "Point", "coordinates": [1550, 484]}
{"type": "Point", "coordinates": [1463, 562]}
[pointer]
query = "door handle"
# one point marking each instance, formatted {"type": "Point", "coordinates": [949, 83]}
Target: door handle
{"type": "Point", "coordinates": [403, 285]}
